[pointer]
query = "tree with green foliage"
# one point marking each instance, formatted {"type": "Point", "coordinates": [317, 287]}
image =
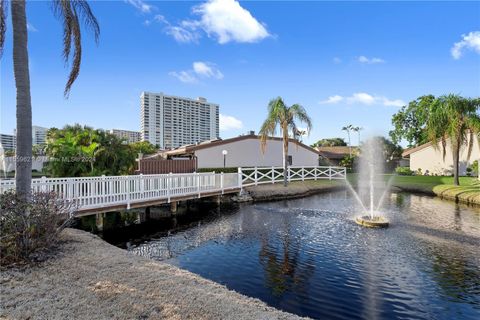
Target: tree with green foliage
{"type": "Point", "coordinates": [410, 122]}
{"type": "Point", "coordinates": [71, 13]}
{"type": "Point", "coordinates": [348, 129]}
{"type": "Point", "coordinates": [82, 151]}
{"type": "Point", "coordinates": [284, 117]}
{"type": "Point", "coordinates": [348, 162]}
{"type": "Point", "coordinates": [143, 147]}
{"type": "Point", "coordinates": [329, 142]}
{"type": "Point", "coordinates": [437, 120]}
{"type": "Point", "coordinates": [391, 152]}
{"type": "Point", "coordinates": [357, 130]}
{"type": "Point", "coordinates": [457, 119]}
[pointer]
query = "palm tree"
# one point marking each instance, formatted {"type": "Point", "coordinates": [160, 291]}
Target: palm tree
{"type": "Point", "coordinates": [284, 117]}
{"type": "Point", "coordinates": [357, 130]}
{"type": "Point", "coordinates": [69, 12]}
{"type": "Point", "coordinates": [454, 117]}
{"type": "Point", "coordinates": [348, 129]}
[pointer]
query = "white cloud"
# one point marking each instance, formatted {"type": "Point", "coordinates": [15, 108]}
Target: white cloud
{"type": "Point", "coordinates": [470, 41]}
{"type": "Point", "coordinates": [363, 59]}
{"type": "Point", "coordinates": [224, 20]}
{"type": "Point", "coordinates": [332, 99]}
{"type": "Point", "coordinates": [140, 5]}
{"type": "Point", "coordinates": [184, 76]}
{"type": "Point", "coordinates": [228, 21]}
{"type": "Point", "coordinates": [365, 99]}
{"type": "Point", "coordinates": [229, 123]}
{"type": "Point", "coordinates": [207, 70]}
{"type": "Point", "coordinates": [160, 18]}
{"type": "Point", "coordinates": [31, 28]}
{"type": "Point", "coordinates": [361, 97]}
{"type": "Point", "coordinates": [199, 70]}
{"type": "Point", "coordinates": [393, 103]}
{"type": "Point", "coordinates": [337, 60]}
{"type": "Point", "coordinates": [182, 35]}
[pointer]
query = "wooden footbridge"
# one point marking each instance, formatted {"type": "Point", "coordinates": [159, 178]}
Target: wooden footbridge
{"type": "Point", "coordinates": [93, 195]}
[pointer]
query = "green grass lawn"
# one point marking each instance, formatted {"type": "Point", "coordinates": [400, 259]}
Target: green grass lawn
{"type": "Point", "coordinates": [467, 191]}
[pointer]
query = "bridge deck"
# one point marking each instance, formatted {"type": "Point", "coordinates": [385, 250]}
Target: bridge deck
{"type": "Point", "coordinates": [147, 203]}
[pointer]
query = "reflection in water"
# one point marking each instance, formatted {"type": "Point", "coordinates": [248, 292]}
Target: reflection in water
{"type": "Point", "coordinates": [282, 267]}
{"type": "Point", "coordinates": [307, 256]}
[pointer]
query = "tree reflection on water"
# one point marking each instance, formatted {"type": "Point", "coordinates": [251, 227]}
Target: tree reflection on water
{"type": "Point", "coordinates": [287, 266]}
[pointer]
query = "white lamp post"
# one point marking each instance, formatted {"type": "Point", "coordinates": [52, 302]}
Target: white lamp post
{"type": "Point", "coordinates": [224, 152]}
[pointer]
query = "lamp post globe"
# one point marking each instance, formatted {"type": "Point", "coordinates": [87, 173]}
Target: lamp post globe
{"type": "Point", "coordinates": [224, 152]}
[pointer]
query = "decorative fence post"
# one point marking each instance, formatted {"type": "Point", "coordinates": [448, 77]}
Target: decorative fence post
{"type": "Point", "coordinates": [127, 190]}
{"type": "Point", "coordinates": [70, 194]}
{"type": "Point", "coordinates": [273, 174]}
{"type": "Point", "coordinates": [198, 184]}
{"type": "Point", "coordinates": [103, 189]}
{"type": "Point", "coordinates": [240, 178]}
{"type": "Point", "coordinates": [256, 176]}
{"type": "Point", "coordinates": [221, 181]}
{"type": "Point", "coordinates": [43, 188]}
{"type": "Point", "coordinates": [168, 188]}
{"type": "Point", "coordinates": [329, 173]}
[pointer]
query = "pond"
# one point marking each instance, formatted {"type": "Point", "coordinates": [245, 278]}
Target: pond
{"type": "Point", "coordinates": [308, 257]}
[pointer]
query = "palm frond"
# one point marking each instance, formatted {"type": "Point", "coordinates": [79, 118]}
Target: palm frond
{"type": "Point", "coordinates": [269, 128]}
{"type": "Point", "coordinates": [298, 112]}
{"type": "Point", "coordinates": [69, 12]}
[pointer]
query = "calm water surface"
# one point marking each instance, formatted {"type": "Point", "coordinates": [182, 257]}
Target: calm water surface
{"type": "Point", "coordinates": [308, 257]}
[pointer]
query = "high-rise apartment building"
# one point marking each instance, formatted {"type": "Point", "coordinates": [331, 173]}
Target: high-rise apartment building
{"type": "Point", "coordinates": [130, 136]}
{"type": "Point", "coordinates": [39, 135]}
{"type": "Point", "coordinates": [170, 121]}
{"type": "Point", "coordinates": [7, 142]}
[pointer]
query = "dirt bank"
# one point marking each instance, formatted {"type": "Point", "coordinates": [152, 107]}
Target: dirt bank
{"type": "Point", "coordinates": [91, 279]}
{"type": "Point", "coordinates": [296, 189]}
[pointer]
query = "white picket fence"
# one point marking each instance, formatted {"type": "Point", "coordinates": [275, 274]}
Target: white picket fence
{"type": "Point", "coordinates": [97, 192]}
{"type": "Point", "coordinates": [260, 175]}
{"type": "Point", "coordinates": [106, 191]}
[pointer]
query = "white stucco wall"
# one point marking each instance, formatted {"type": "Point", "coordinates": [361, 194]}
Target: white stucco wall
{"type": "Point", "coordinates": [247, 153]}
{"type": "Point", "coordinates": [7, 164]}
{"type": "Point", "coordinates": [431, 159]}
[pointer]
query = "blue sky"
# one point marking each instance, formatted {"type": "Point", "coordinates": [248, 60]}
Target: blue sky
{"type": "Point", "coordinates": [345, 62]}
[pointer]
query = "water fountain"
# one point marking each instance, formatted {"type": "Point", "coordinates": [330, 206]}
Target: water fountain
{"type": "Point", "coordinates": [371, 185]}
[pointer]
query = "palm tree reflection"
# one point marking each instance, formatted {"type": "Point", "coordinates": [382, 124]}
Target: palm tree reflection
{"type": "Point", "coordinates": [287, 266]}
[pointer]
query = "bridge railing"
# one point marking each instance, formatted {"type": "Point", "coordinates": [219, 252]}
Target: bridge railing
{"type": "Point", "coordinates": [261, 175]}
{"type": "Point", "coordinates": [104, 191]}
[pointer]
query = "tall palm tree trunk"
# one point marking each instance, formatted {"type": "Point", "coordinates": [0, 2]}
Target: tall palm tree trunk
{"type": "Point", "coordinates": [285, 156]}
{"type": "Point", "coordinates": [456, 156]}
{"type": "Point", "coordinates": [349, 144]}
{"type": "Point", "coordinates": [23, 166]}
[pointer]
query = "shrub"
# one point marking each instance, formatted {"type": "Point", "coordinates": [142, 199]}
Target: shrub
{"type": "Point", "coordinates": [218, 170]}
{"type": "Point", "coordinates": [469, 171]}
{"type": "Point", "coordinates": [404, 171]}
{"type": "Point", "coordinates": [348, 162]}
{"type": "Point", "coordinates": [475, 167]}
{"type": "Point", "coordinates": [29, 228]}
